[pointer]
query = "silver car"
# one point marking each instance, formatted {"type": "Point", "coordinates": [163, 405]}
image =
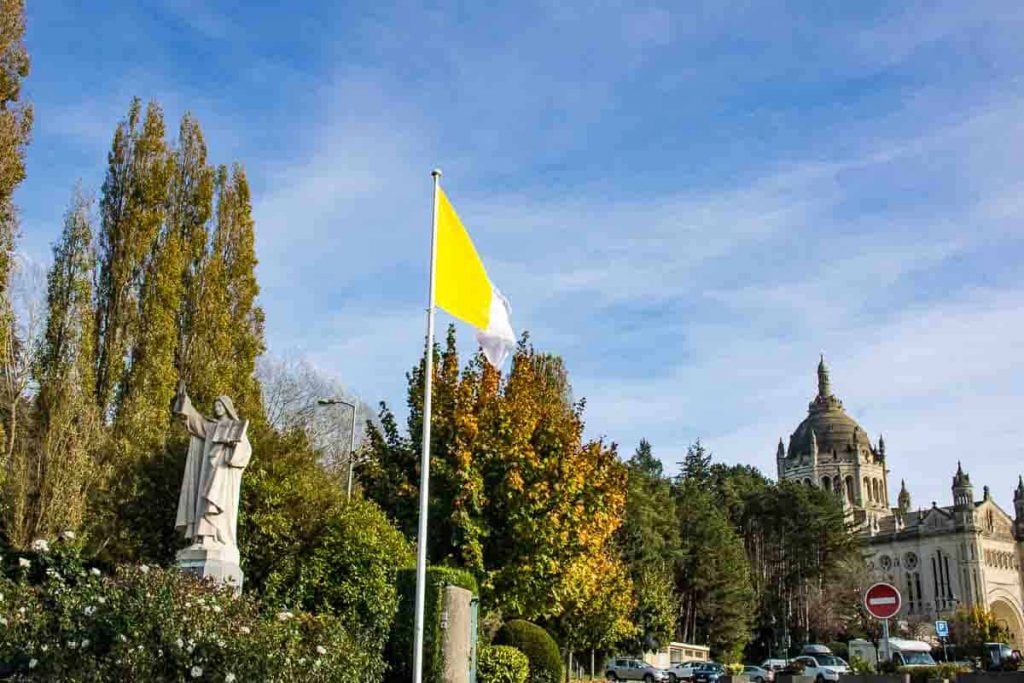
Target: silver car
{"type": "Point", "coordinates": [629, 669]}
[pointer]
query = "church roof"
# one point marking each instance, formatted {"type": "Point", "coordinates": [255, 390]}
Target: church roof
{"type": "Point", "coordinates": [828, 425]}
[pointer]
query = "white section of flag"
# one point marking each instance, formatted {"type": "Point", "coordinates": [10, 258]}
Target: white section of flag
{"type": "Point", "coordinates": [498, 340]}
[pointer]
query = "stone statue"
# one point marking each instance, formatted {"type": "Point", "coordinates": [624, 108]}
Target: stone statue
{"type": "Point", "coordinates": [208, 503]}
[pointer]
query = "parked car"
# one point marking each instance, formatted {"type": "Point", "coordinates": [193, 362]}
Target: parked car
{"type": "Point", "coordinates": [758, 674]}
{"type": "Point", "coordinates": [823, 667]}
{"type": "Point", "coordinates": [682, 671]}
{"type": "Point", "coordinates": [708, 672]}
{"type": "Point", "coordinates": [629, 669]}
{"type": "Point", "coordinates": [774, 665]}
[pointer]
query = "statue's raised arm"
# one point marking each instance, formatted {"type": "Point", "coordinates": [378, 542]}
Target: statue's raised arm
{"type": "Point", "coordinates": [194, 422]}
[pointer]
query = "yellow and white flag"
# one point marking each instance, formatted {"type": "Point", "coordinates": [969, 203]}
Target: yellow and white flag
{"type": "Point", "coordinates": [464, 290]}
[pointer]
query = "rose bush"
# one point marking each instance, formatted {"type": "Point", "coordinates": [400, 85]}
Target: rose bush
{"type": "Point", "coordinates": [62, 619]}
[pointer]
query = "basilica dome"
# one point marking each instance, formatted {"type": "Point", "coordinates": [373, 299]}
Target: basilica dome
{"type": "Point", "coordinates": [827, 429]}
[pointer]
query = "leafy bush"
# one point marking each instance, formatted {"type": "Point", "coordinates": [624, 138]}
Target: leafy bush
{"type": "Point", "coordinates": [734, 669]}
{"type": "Point", "coordinates": [61, 619]}
{"type": "Point", "coordinates": [859, 665]}
{"type": "Point", "coordinates": [940, 672]}
{"type": "Point", "coordinates": [839, 649]}
{"type": "Point", "coordinates": [399, 646]}
{"type": "Point", "coordinates": [538, 646]}
{"type": "Point", "coordinates": [502, 664]}
{"type": "Point", "coordinates": [345, 565]}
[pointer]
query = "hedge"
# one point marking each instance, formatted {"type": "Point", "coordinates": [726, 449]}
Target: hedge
{"type": "Point", "coordinates": [398, 652]}
{"type": "Point", "coordinates": [538, 646]}
{"type": "Point", "coordinates": [502, 664]}
{"type": "Point", "coordinates": [69, 620]}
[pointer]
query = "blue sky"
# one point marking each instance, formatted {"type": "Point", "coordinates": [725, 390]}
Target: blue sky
{"type": "Point", "coordinates": [687, 200]}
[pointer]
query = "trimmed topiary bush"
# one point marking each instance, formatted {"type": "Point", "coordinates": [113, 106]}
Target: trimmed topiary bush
{"type": "Point", "coordinates": [538, 646]}
{"type": "Point", "coordinates": [502, 664]}
{"type": "Point", "coordinates": [398, 652]}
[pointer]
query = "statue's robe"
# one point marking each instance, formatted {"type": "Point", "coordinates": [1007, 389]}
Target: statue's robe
{"type": "Point", "coordinates": [218, 452]}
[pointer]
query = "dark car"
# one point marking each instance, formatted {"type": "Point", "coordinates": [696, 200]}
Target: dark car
{"type": "Point", "coordinates": [708, 672]}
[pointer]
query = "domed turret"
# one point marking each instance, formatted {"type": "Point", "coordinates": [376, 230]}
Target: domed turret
{"type": "Point", "coordinates": [838, 436]}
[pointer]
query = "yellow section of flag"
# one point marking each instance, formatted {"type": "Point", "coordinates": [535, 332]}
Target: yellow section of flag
{"type": "Point", "coordinates": [462, 286]}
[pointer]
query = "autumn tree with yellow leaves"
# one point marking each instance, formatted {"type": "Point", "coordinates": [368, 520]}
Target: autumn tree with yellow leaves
{"type": "Point", "coordinates": [518, 496]}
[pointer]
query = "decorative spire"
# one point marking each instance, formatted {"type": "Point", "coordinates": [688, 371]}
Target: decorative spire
{"type": "Point", "coordinates": [903, 500]}
{"type": "Point", "coordinates": [824, 390]}
{"type": "Point", "coordinates": [781, 452]}
{"type": "Point", "coordinates": [1019, 493]}
{"type": "Point", "coordinates": [881, 447]}
{"type": "Point", "coordinates": [961, 478]}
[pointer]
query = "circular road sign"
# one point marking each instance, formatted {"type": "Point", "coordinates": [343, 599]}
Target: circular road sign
{"type": "Point", "coordinates": [883, 601]}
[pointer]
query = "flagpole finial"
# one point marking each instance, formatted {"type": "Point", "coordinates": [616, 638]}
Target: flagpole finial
{"type": "Point", "coordinates": [436, 173]}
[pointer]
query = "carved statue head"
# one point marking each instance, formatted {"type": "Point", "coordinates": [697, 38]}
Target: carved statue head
{"type": "Point", "coordinates": [223, 405]}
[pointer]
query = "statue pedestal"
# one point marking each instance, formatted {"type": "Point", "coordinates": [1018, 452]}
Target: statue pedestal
{"type": "Point", "coordinates": [215, 561]}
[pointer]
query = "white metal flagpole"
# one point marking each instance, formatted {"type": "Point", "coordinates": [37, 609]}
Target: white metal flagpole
{"type": "Point", "coordinates": [421, 536]}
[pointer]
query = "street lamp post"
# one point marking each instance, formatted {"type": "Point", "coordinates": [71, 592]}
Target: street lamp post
{"type": "Point", "coordinates": [352, 436]}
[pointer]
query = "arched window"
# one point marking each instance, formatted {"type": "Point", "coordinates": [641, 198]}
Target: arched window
{"type": "Point", "coordinates": [849, 488]}
{"type": "Point", "coordinates": [826, 483]}
{"type": "Point", "coordinates": [867, 489]}
{"type": "Point", "coordinates": [878, 491]}
{"type": "Point", "coordinates": [808, 482]}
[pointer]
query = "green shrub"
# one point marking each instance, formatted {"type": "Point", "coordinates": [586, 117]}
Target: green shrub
{"type": "Point", "coordinates": [61, 619]}
{"type": "Point", "coordinates": [860, 666]}
{"type": "Point", "coordinates": [734, 669]}
{"type": "Point", "coordinates": [538, 646]}
{"type": "Point", "coordinates": [839, 649]}
{"type": "Point", "coordinates": [501, 664]}
{"type": "Point", "coordinates": [939, 672]}
{"type": "Point", "coordinates": [398, 651]}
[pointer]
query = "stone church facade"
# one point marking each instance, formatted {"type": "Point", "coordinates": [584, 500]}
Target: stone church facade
{"type": "Point", "coordinates": [942, 558]}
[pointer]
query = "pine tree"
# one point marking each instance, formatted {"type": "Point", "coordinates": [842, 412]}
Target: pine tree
{"type": "Point", "coordinates": [133, 207]}
{"type": "Point", "coordinates": [67, 421]}
{"type": "Point", "coordinates": [15, 125]}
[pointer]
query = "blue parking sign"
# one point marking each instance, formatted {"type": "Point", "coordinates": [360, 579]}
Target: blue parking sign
{"type": "Point", "coordinates": [942, 629]}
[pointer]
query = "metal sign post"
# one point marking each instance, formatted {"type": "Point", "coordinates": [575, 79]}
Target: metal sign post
{"type": "Point", "coordinates": [942, 631]}
{"type": "Point", "coordinates": [883, 601]}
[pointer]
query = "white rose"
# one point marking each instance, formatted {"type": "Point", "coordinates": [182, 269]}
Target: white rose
{"type": "Point", "coordinates": [245, 630]}
{"type": "Point", "coordinates": [32, 663]}
{"type": "Point", "coordinates": [89, 611]}
{"type": "Point", "coordinates": [3, 621]}
{"type": "Point", "coordinates": [197, 671]}
{"type": "Point", "coordinates": [229, 678]}
{"type": "Point", "coordinates": [321, 650]}
{"type": "Point", "coordinates": [41, 545]}
{"type": "Point", "coordinates": [217, 609]}
{"type": "Point", "coordinates": [95, 571]}
{"type": "Point", "coordinates": [67, 535]}
{"type": "Point", "coordinates": [85, 643]}
{"type": "Point", "coordinates": [22, 562]}
{"type": "Point", "coordinates": [144, 569]}
{"type": "Point", "coordinates": [102, 600]}
{"type": "Point", "coordinates": [179, 642]}
{"type": "Point", "coordinates": [284, 616]}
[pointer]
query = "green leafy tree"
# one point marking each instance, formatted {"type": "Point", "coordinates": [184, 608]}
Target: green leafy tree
{"type": "Point", "coordinates": [133, 207]}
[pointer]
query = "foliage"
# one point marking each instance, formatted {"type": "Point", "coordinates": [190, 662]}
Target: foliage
{"type": "Point", "coordinates": [734, 668]}
{"type": "Point", "coordinates": [501, 664]}
{"type": "Point", "coordinates": [596, 595]}
{"type": "Point", "coordinates": [939, 672]}
{"type": "Point", "coordinates": [712, 574]}
{"type": "Point", "coordinates": [972, 627]}
{"type": "Point", "coordinates": [50, 493]}
{"type": "Point", "coordinates": [538, 646]}
{"type": "Point", "coordinates": [517, 495]}
{"type": "Point", "coordinates": [649, 544]}
{"type": "Point", "coordinates": [66, 621]}
{"type": "Point", "coordinates": [398, 651]}
{"type": "Point", "coordinates": [860, 666]}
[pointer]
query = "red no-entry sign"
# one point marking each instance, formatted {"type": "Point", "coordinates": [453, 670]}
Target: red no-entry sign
{"type": "Point", "coordinates": [883, 601]}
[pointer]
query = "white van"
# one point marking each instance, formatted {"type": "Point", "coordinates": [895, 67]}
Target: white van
{"type": "Point", "coordinates": [911, 652]}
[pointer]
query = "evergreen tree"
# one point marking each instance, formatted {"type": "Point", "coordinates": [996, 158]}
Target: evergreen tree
{"type": "Point", "coordinates": [696, 466]}
{"type": "Point", "coordinates": [649, 543]}
{"type": "Point", "coordinates": [15, 125]}
{"type": "Point", "coordinates": [67, 421]}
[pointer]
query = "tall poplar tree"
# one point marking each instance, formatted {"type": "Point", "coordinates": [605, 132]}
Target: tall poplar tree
{"type": "Point", "coordinates": [226, 335]}
{"type": "Point", "coordinates": [67, 420]}
{"type": "Point", "coordinates": [133, 207]}
{"type": "Point", "coordinates": [15, 125]}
